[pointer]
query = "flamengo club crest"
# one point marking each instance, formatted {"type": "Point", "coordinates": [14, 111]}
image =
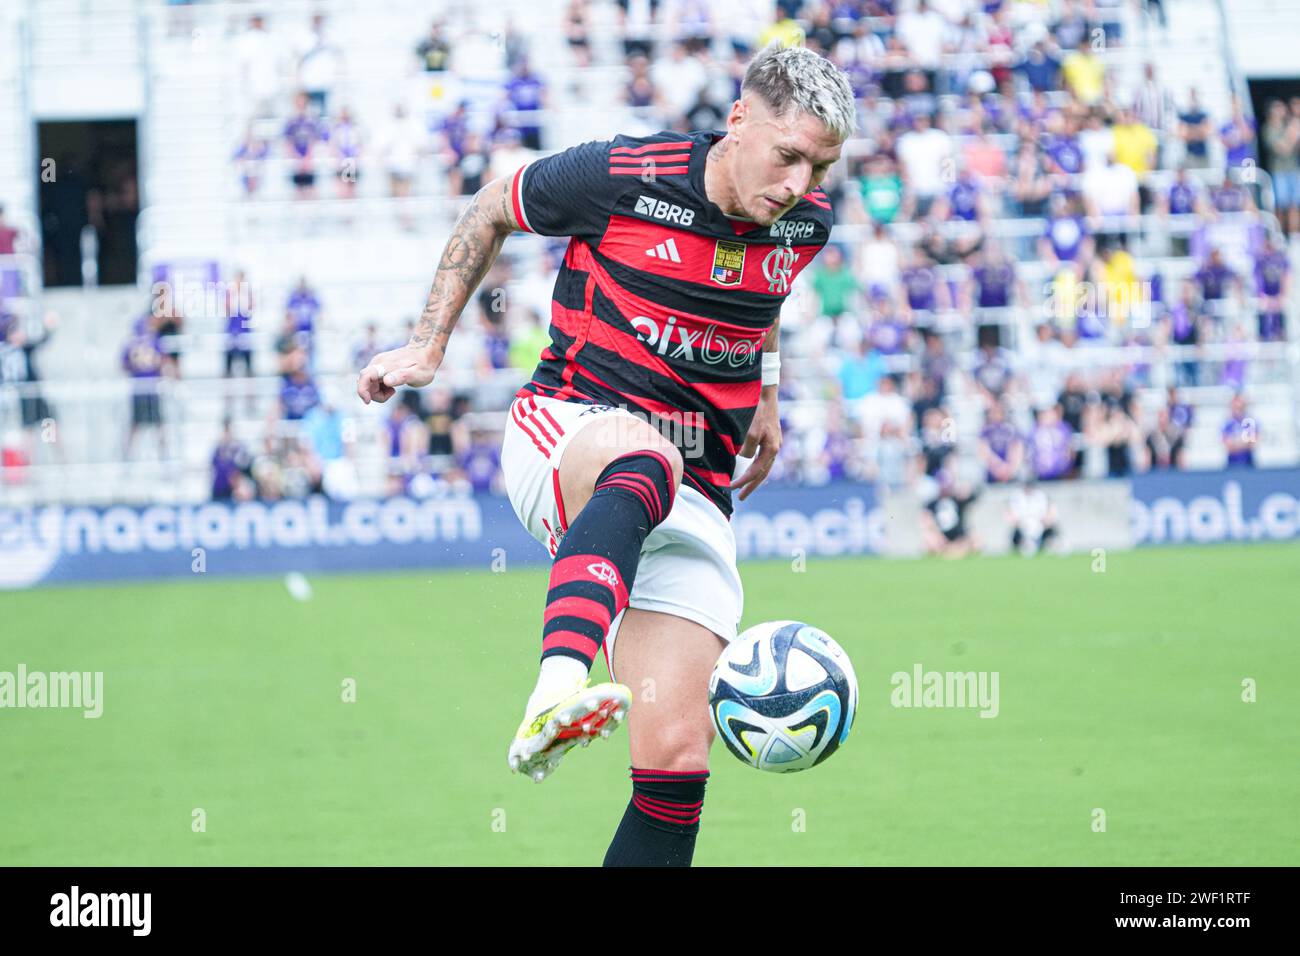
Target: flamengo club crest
{"type": "Point", "coordinates": [777, 266]}
{"type": "Point", "coordinates": [728, 262]}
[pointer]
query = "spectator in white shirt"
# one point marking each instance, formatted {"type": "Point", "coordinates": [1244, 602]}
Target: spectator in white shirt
{"type": "Point", "coordinates": [884, 411]}
{"type": "Point", "coordinates": [401, 146]}
{"type": "Point", "coordinates": [1110, 190]}
{"type": "Point", "coordinates": [925, 153]}
{"type": "Point", "coordinates": [878, 262]}
{"type": "Point", "coordinates": [923, 31]}
{"type": "Point", "coordinates": [1096, 142]}
{"type": "Point", "coordinates": [256, 59]}
{"type": "Point", "coordinates": [679, 80]}
{"type": "Point", "coordinates": [319, 63]}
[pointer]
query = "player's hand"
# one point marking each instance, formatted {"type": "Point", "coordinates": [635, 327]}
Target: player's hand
{"type": "Point", "coordinates": [764, 438]}
{"type": "Point", "coordinates": [386, 372]}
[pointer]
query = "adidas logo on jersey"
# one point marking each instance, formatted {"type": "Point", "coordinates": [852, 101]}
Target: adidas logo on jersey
{"type": "Point", "coordinates": [661, 209]}
{"type": "Point", "coordinates": [665, 250]}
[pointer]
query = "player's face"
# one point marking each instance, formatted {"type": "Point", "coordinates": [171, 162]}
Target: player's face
{"type": "Point", "coordinates": [778, 158]}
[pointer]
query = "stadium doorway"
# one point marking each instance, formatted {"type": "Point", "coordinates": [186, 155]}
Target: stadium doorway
{"type": "Point", "coordinates": [87, 177]}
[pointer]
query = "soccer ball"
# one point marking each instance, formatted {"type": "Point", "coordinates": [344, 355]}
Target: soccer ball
{"type": "Point", "coordinates": [782, 696]}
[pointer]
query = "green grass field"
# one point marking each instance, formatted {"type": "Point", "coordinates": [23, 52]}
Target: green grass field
{"type": "Point", "coordinates": [1119, 690]}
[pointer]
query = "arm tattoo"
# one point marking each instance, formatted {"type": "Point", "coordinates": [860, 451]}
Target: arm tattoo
{"type": "Point", "coordinates": [474, 244]}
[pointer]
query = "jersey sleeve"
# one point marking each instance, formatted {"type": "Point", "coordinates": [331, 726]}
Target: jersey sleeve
{"type": "Point", "coordinates": [570, 193]}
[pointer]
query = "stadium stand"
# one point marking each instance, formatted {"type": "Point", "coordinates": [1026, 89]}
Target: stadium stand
{"type": "Point", "coordinates": [1037, 273]}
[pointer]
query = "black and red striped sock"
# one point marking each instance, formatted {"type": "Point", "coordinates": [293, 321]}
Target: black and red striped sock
{"type": "Point", "coordinates": [596, 561]}
{"type": "Point", "coordinates": [661, 821]}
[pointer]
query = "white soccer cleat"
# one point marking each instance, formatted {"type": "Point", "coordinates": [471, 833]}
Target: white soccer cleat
{"type": "Point", "coordinates": [579, 718]}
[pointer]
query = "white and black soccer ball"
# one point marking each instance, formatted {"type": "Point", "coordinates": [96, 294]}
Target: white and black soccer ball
{"type": "Point", "coordinates": [782, 696]}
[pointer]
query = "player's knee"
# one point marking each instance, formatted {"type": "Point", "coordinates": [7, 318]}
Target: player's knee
{"type": "Point", "coordinates": [680, 746]}
{"type": "Point", "coordinates": [635, 437]}
{"type": "Point", "coordinates": [671, 457]}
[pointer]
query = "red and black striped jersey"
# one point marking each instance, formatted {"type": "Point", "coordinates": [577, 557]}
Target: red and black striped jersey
{"type": "Point", "coordinates": [662, 302]}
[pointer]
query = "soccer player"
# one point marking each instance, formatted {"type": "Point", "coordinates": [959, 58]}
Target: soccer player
{"type": "Point", "coordinates": [683, 248]}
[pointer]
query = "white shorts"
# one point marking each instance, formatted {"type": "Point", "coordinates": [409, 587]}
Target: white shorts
{"type": "Point", "coordinates": [688, 561]}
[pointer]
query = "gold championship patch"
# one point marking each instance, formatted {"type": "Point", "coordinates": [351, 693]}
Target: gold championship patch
{"type": "Point", "coordinates": [728, 262]}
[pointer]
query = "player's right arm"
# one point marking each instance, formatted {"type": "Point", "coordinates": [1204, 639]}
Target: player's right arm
{"type": "Point", "coordinates": [566, 194]}
{"type": "Point", "coordinates": [474, 245]}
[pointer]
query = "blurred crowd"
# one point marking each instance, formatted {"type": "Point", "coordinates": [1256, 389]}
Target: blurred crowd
{"type": "Point", "coordinates": [324, 148]}
{"type": "Point", "coordinates": [1015, 216]}
{"type": "Point", "coordinates": [1130, 207]}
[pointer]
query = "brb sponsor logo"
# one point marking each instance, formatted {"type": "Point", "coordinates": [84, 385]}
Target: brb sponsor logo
{"type": "Point", "coordinates": [793, 229]}
{"type": "Point", "coordinates": [662, 209]}
{"type": "Point", "coordinates": [702, 343]}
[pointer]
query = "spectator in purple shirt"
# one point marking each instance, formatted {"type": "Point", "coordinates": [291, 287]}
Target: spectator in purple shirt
{"type": "Point", "coordinates": [1230, 197]}
{"type": "Point", "coordinates": [525, 93]}
{"type": "Point", "coordinates": [229, 459]}
{"type": "Point", "coordinates": [1050, 445]}
{"type": "Point", "coordinates": [1183, 198]}
{"type": "Point", "coordinates": [1184, 321]}
{"type": "Point", "coordinates": [1180, 412]}
{"type": "Point", "coordinates": [1062, 151]}
{"type": "Point", "coordinates": [301, 134]}
{"type": "Point", "coordinates": [1216, 278]}
{"type": "Point", "coordinates": [639, 94]}
{"type": "Point", "coordinates": [1240, 433]}
{"type": "Point", "coordinates": [249, 157]}
{"type": "Point", "coordinates": [1040, 68]}
{"type": "Point", "coordinates": [496, 342]}
{"type": "Point", "coordinates": [1273, 288]}
{"type": "Point", "coordinates": [923, 289]}
{"type": "Point", "coordinates": [143, 359]}
{"type": "Point", "coordinates": [406, 442]}
{"type": "Point", "coordinates": [453, 130]}
{"type": "Point", "coordinates": [481, 461]}
{"type": "Point", "coordinates": [304, 305]}
{"type": "Point", "coordinates": [1035, 111]}
{"type": "Point", "coordinates": [1065, 237]}
{"type": "Point", "coordinates": [303, 309]}
{"type": "Point", "coordinates": [993, 283]}
{"type": "Point", "coordinates": [1236, 358]}
{"type": "Point", "coordinates": [887, 333]}
{"type": "Point", "coordinates": [239, 329]}
{"type": "Point", "coordinates": [1000, 448]}
{"type": "Point", "coordinates": [298, 395]}
{"type": "Point", "coordinates": [1238, 136]}
{"type": "Point", "coordinates": [992, 373]}
{"type": "Point", "coordinates": [963, 202]}
{"type": "Point", "coordinates": [345, 141]}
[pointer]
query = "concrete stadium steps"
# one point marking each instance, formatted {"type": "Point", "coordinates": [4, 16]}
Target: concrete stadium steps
{"type": "Point", "coordinates": [74, 33]}
{"type": "Point", "coordinates": [1192, 55]}
{"type": "Point", "coordinates": [17, 191]}
{"type": "Point", "coordinates": [93, 328]}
